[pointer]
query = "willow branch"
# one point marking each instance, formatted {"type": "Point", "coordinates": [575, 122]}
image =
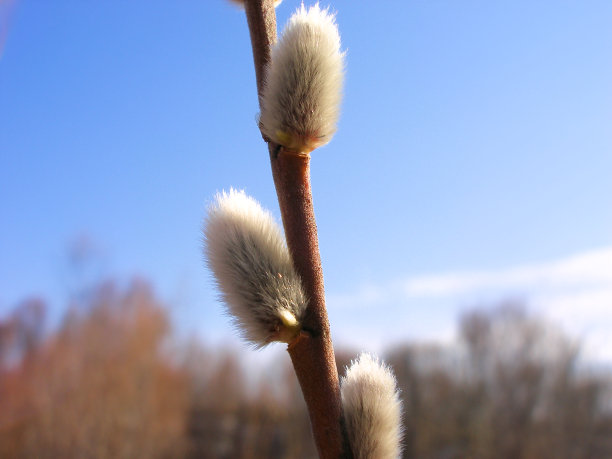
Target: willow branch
{"type": "Point", "coordinates": [312, 352]}
{"type": "Point", "coordinates": [261, 18]}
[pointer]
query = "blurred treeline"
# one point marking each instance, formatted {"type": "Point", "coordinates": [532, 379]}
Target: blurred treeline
{"type": "Point", "coordinates": [113, 381]}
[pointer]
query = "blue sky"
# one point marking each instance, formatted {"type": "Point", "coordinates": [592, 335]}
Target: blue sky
{"type": "Point", "coordinates": [475, 143]}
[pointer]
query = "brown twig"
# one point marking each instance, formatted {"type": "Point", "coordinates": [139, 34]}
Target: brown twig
{"type": "Point", "coordinates": [312, 352]}
{"type": "Point", "coordinates": [261, 18]}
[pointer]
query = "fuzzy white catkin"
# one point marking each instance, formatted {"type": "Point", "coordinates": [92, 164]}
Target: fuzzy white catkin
{"type": "Point", "coordinates": [372, 409]}
{"type": "Point", "coordinates": [300, 103]}
{"type": "Point", "coordinates": [246, 251]}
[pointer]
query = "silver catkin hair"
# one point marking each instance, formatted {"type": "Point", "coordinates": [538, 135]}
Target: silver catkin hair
{"type": "Point", "coordinates": [246, 251]}
{"type": "Point", "coordinates": [303, 89]}
{"type": "Point", "coordinates": [372, 409]}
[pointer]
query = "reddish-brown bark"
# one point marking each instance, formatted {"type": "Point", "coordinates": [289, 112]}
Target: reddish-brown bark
{"type": "Point", "coordinates": [312, 352]}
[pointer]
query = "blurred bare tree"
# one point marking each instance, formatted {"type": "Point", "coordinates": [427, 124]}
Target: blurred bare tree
{"type": "Point", "coordinates": [98, 388]}
{"type": "Point", "coordinates": [514, 390]}
{"type": "Point", "coordinates": [227, 419]}
{"type": "Point", "coordinates": [110, 383]}
{"type": "Point", "coordinates": [83, 270]}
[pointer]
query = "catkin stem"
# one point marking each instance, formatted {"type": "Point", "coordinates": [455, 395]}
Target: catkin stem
{"type": "Point", "coordinates": [312, 352]}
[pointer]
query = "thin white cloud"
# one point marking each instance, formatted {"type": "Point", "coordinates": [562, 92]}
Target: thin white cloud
{"type": "Point", "coordinates": [586, 312]}
{"type": "Point", "coordinates": [575, 275]}
{"type": "Point", "coordinates": [365, 295]}
{"type": "Point", "coordinates": [592, 268]}
{"type": "Point", "coordinates": [575, 292]}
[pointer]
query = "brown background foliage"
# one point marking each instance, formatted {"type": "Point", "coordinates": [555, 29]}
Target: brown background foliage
{"type": "Point", "coordinates": [112, 382]}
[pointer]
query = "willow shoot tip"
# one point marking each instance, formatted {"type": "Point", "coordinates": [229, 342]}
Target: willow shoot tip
{"type": "Point", "coordinates": [300, 103]}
